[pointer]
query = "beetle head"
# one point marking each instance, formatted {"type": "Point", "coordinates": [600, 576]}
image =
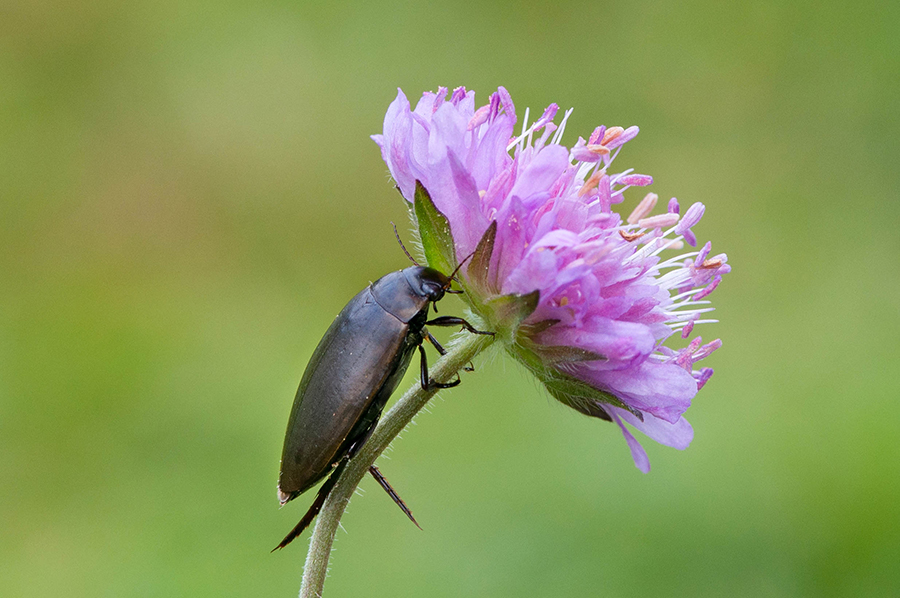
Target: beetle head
{"type": "Point", "coordinates": [436, 283]}
{"type": "Point", "coordinates": [428, 282]}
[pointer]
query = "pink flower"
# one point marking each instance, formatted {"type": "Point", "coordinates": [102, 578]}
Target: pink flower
{"type": "Point", "coordinates": [584, 299]}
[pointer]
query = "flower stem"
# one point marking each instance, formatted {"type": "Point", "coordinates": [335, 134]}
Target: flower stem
{"type": "Point", "coordinates": [458, 355]}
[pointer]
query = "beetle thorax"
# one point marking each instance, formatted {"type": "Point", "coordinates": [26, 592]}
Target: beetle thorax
{"type": "Point", "coordinates": [407, 293]}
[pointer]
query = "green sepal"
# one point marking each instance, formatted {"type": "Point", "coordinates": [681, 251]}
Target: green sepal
{"type": "Point", "coordinates": [558, 382]}
{"type": "Point", "coordinates": [530, 330]}
{"type": "Point", "coordinates": [477, 271]}
{"type": "Point", "coordinates": [507, 312]}
{"type": "Point", "coordinates": [573, 390]}
{"type": "Point", "coordinates": [585, 406]}
{"type": "Point", "coordinates": [434, 232]}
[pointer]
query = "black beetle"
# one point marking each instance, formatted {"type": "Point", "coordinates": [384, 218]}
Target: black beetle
{"type": "Point", "coordinates": [350, 376]}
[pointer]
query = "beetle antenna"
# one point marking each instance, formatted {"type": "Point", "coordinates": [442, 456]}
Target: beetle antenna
{"type": "Point", "coordinates": [402, 246]}
{"type": "Point", "coordinates": [465, 259]}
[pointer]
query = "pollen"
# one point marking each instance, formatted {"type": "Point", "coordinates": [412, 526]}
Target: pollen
{"type": "Point", "coordinates": [591, 183]}
{"type": "Point", "coordinates": [611, 133]}
{"type": "Point", "coordinates": [598, 148]}
{"type": "Point", "coordinates": [631, 236]}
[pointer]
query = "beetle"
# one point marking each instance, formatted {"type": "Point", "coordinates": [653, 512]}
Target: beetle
{"type": "Point", "coordinates": [350, 376]}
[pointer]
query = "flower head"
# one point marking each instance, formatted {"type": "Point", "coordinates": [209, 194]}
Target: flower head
{"type": "Point", "coordinates": [584, 298]}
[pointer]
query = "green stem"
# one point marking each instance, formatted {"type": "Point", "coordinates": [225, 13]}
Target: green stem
{"type": "Point", "coordinates": [391, 424]}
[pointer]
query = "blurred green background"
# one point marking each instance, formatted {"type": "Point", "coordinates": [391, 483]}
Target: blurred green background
{"type": "Point", "coordinates": [188, 195]}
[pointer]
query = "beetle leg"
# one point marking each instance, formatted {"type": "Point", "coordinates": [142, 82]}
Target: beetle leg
{"type": "Point", "coordinates": [361, 439]}
{"type": "Point", "coordinates": [423, 369]}
{"type": "Point", "coordinates": [382, 481]}
{"type": "Point", "coordinates": [445, 384]}
{"type": "Point", "coordinates": [454, 321]}
{"type": "Point", "coordinates": [316, 506]}
{"type": "Point", "coordinates": [427, 382]}
{"type": "Point", "coordinates": [435, 342]}
{"type": "Point", "coordinates": [443, 351]}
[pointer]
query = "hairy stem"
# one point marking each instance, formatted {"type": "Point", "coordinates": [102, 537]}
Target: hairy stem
{"type": "Point", "coordinates": [458, 355]}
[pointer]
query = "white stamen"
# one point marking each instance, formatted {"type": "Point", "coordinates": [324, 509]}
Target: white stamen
{"type": "Point", "coordinates": [678, 327]}
{"type": "Point", "coordinates": [562, 126]}
{"type": "Point", "coordinates": [688, 304]}
{"type": "Point", "coordinates": [686, 294]}
{"type": "Point", "coordinates": [651, 250]}
{"type": "Point", "coordinates": [525, 132]}
{"type": "Point", "coordinates": [666, 246]}
{"type": "Point", "coordinates": [678, 258]}
{"type": "Point", "coordinates": [676, 306]}
{"type": "Point", "coordinates": [674, 279]}
{"type": "Point", "coordinates": [687, 315]}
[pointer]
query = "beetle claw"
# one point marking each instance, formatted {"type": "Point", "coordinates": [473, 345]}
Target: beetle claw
{"type": "Point", "coordinates": [434, 384]}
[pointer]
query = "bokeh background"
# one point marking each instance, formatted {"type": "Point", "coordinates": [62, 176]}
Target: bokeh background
{"type": "Point", "coordinates": [188, 195]}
